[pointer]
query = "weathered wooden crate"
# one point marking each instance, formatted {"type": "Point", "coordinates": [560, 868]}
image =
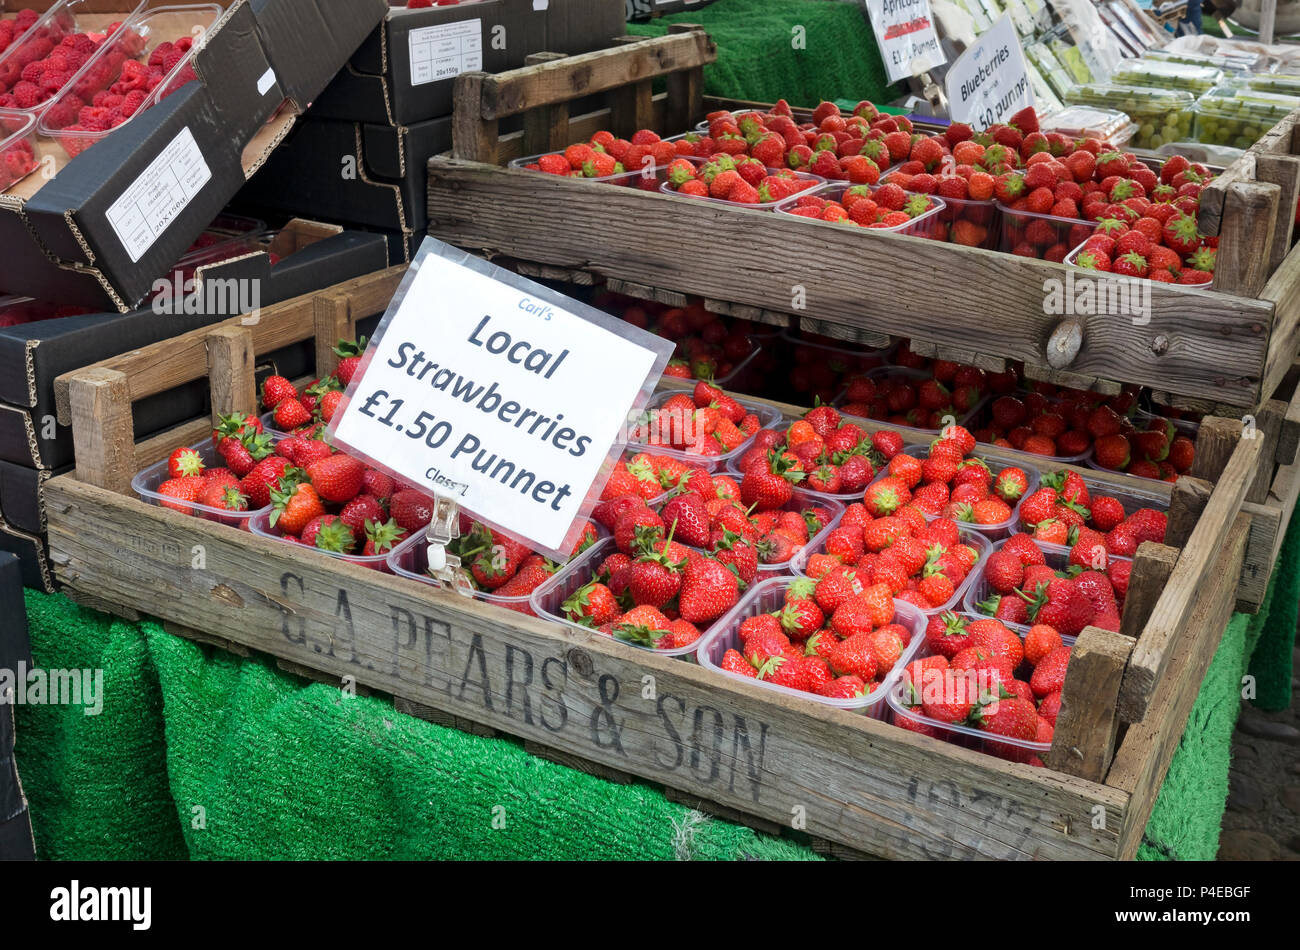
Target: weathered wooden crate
{"type": "Point", "coordinates": [1229, 346]}
{"type": "Point", "coordinates": [605, 706]}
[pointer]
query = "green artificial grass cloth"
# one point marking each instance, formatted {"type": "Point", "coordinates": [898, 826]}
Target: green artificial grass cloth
{"type": "Point", "coordinates": [803, 51]}
{"type": "Point", "coordinates": [202, 754]}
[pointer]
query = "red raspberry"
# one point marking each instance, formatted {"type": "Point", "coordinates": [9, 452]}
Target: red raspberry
{"type": "Point", "coordinates": [159, 51]}
{"type": "Point", "coordinates": [27, 95]}
{"type": "Point", "coordinates": [32, 72]}
{"type": "Point", "coordinates": [171, 59]}
{"type": "Point", "coordinates": [132, 102]}
{"type": "Point", "coordinates": [53, 81]}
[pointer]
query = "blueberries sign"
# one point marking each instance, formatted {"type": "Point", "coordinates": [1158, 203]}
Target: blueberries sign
{"type": "Point", "coordinates": [500, 394]}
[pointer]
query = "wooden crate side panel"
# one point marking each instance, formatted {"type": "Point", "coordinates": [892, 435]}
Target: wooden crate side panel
{"type": "Point", "coordinates": [1143, 757]}
{"type": "Point", "coordinates": [861, 783]}
{"type": "Point", "coordinates": [1195, 343]}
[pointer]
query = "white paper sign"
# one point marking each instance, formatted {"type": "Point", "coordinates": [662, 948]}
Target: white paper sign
{"type": "Point", "coordinates": [905, 34]}
{"type": "Point", "coordinates": [445, 51]}
{"type": "Point", "coordinates": [989, 82]}
{"type": "Point", "coordinates": [159, 193]}
{"type": "Point", "coordinates": [506, 397]}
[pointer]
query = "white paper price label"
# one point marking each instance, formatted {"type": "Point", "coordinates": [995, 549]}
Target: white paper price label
{"type": "Point", "coordinates": [989, 82]}
{"type": "Point", "coordinates": [905, 34]}
{"type": "Point", "coordinates": [506, 397]}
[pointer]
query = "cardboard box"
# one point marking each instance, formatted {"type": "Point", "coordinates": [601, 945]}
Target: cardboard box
{"type": "Point", "coordinates": [32, 354]}
{"type": "Point", "coordinates": [22, 502]}
{"type": "Point", "coordinates": [33, 560]}
{"type": "Point", "coordinates": [372, 175]}
{"type": "Point", "coordinates": [405, 71]}
{"type": "Point", "coordinates": [14, 642]}
{"type": "Point", "coordinates": [641, 10]}
{"type": "Point", "coordinates": [117, 215]}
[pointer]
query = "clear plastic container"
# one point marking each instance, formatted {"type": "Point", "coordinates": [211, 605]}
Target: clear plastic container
{"type": "Point", "coordinates": [547, 600]}
{"type": "Point", "coordinates": [645, 179]}
{"type": "Point", "coordinates": [1131, 497]}
{"type": "Point", "coordinates": [767, 417]}
{"type": "Point", "coordinates": [1160, 115]}
{"type": "Point", "coordinates": [1057, 558]}
{"type": "Point", "coordinates": [1072, 260]}
{"type": "Point", "coordinates": [146, 482]}
{"type": "Point", "coordinates": [926, 225]}
{"type": "Point", "coordinates": [1109, 125]}
{"type": "Point", "coordinates": [979, 219]}
{"type": "Point", "coordinates": [153, 23]}
{"type": "Point", "coordinates": [260, 524]}
{"type": "Point", "coordinates": [1231, 62]}
{"type": "Point", "coordinates": [1036, 235]}
{"type": "Point", "coordinates": [409, 559]}
{"type": "Point", "coordinates": [769, 595]}
{"type": "Point", "coordinates": [1236, 115]}
{"type": "Point", "coordinates": [996, 461]}
{"type": "Point", "coordinates": [666, 188]}
{"type": "Point", "coordinates": [974, 538]}
{"type": "Point", "coordinates": [1163, 74]}
{"type": "Point", "coordinates": [64, 18]}
{"type": "Point", "coordinates": [802, 500]}
{"type": "Point", "coordinates": [1279, 84]}
{"type": "Point", "coordinates": [910, 434]}
{"type": "Point", "coordinates": [816, 367]}
{"type": "Point", "coordinates": [968, 736]}
{"type": "Point", "coordinates": [18, 154]}
{"type": "Point", "coordinates": [725, 381]}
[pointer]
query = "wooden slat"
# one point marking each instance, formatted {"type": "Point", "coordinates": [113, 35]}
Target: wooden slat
{"type": "Point", "coordinates": [1283, 290]}
{"type": "Point", "coordinates": [1246, 238]}
{"type": "Point", "coordinates": [632, 108]}
{"type": "Point", "coordinates": [1215, 344]}
{"type": "Point", "coordinates": [230, 371]}
{"type": "Point", "coordinates": [685, 90]}
{"type": "Point", "coordinates": [959, 354]}
{"type": "Point", "coordinates": [1283, 171]}
{"type": "Point", "coordinates": [332, 321]}
{"type": "Point", "coordinates": [1144, 755]}
{"type": "Point", "coordinates": [1153, 563]}
{"type": "Point", "coordinates": [1268, 427]}
{"type": "Point", "coordinates": [546, 128]}
{"type": "Point", "coordinates": [167, 364]}
{"type": "Point", "coordinates": [518, 90]}
{"type": "Point", "coordinates": [473, 136]}
{"type": "Point", "coordinates": [1060, 377]}
{"type": "Point", "coordinates": [102, 430]}
{"type": "Point", "coordinates": [857, 781]}
{"type": "Point", "coordinates": [1216, 440]}
{"type": "Point", "coordinates": [1200, 559]}
{"type": "Point", "coordinates": [1188, 501]}
{"type": "Point", "coordinates": [1084, 739]}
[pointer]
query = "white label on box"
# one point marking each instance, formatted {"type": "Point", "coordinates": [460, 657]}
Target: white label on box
{"type": "Point", "coordinates": [905, 34]}
{"type": "Point", "coordinates": [484, 388]}
{"type": "Point", "coordinates": [266, 81]}
{"type": "Point", "coordinates": [159, 194]}
{"type": "Point", "coordinates": [445, 51]}
{"type": "Point", "coordinates": [989, 82]}
{"type": "Point", "coordinates": [539, 5]}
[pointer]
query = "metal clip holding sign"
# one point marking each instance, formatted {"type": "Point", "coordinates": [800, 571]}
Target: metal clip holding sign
{"type": "Point", "coordinates": [444, 528]}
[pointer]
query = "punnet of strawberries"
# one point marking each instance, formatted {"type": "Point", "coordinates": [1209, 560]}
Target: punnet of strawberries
{"type": "Point", "coordinates": [822, 452]}
{"type": "Point", "coordinates": [1028, 585]}
{"type": "Point", "coordinates": [741, 180]}
{"type": "Point", "coordinates": [925, 395]}
{"type": "Point", "coordinates": [981, 676]}
{"type": "Point", "coordinates": [883, 207]}
{"type": "Point", "coordinates": [497, 564]}
{"type": "Point", "coordinates": [947, 480]}
{"type": "Point", "coordinates": [649, 589]}
{"type": "Point", "coordinates": [830, 638]}
{"type": "Point", "coordinates": [707, 423]}
{"type": "Point", "coordinates": [1063, 511]}
{"type": "Point", "coordinates": [704, 511]}
{"type": "Point", "coordinates": [605, 155]}
{"type": "Point", "coordinates": [709, 346]}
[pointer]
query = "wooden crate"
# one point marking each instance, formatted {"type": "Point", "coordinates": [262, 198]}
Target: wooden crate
{"type": "Point", "coordinates": [587, 700]}
{"type": "Point", "coordinates": [1228, 346]}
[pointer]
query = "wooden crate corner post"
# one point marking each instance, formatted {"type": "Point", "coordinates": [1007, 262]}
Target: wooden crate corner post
{"type": "Point", "coordinates": [103, 434]}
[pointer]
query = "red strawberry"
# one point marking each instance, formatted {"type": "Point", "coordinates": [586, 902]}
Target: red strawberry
{"type": "Point", "coordinates": [709, 590]}
{"type": "Point", "coordinates": [337, 477]}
